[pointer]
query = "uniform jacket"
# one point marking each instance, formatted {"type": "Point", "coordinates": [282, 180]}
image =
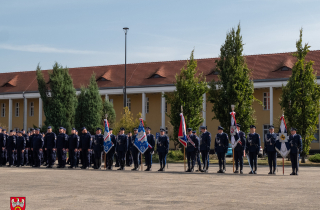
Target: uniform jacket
{"type": "Point", "coordinates": [85, 141]}
{"type": "Point", "coordinates": [73, 142]}
{"type": "Point", "coordinates": [221, 143]}
{"type": "Point", "coordinates": [253, 143]}
{"type": "Point", "coordinates": [3, 140]}
{"type": "Point", "coordinates": [114, 141]}
{"type": "Point", "coordinates": [151, 141]}
{"type": "Point", "coordinates": [62, 141]}
{"type": "Point", "coordinates": [98, 143]}
{"type": "Point", "coordinates": [295, 143]}
{"type": "Point", "coordinates": [242, 137]}
{"type": "Point", "coordinates": [205, 141]}
{"type": "Point", "coordinates": [190, 147]}
{"type": "Point", "coordinates": [270, 142]}
{"type": "Point", "coordinates": [163, 144]}
{"type": "Point", "coordinates": [21, 143]}
{"type": "Point", "coordinates": [37, 142]}
{"type": "Point", "coordinates": [11, 143]}
{"type": "Point", "coordinates": [27, 140]}
{"type": "Point", "coordinates": [50, 140]}
{"type": "Point", "coordinates": [122, 141]}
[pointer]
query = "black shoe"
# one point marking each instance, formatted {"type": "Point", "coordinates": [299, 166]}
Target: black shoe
{"type": "Point", "coordinates": [270, 172]}
{"type": "Point", "coordinates": [87, 167]}
{"type": "Point", "coordinates": [134, 169]}
{"type": "Point", "coordinates": [17, 166]}
{"type": "Point", "coordinates": [241, 172]}
{"type": "Point", "coordinates": [160, 169]}
{"type": "Point", "coordinates": [188, 170]}
{"type": "Point", "coordinates": [148, 169]}
{"type": "Point", "coordinates": [191, 170]}
{"type": "Point", "coordinates": [116, 165]}
{"type": "Point", "coordinates": [119, 169]}
{"type": "Point", "coordinates": [58, 166]}
{"type": "Point", "coordinates": [255, 172]}
{"type": "Point", "coordinates": [236, 172]}
{"type": "Point", "coordinates": [70, 167]}
{"type": "Point", "coordinates": [293, 173]}
{"type": "Point", "coordinates": [251, 172]}
{"type": "Point", "coordinates": [49, 166]}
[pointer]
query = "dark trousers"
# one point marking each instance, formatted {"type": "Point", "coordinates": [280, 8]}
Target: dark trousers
{"type": "Point", "coordinates": [148, 157]}
{"type": "Point", "coordinates": [221, 157]}
{"type": "Point", "coordinates": [117, 159]}
{"type": "Point", "coordinates": [26, 157]}
{"type": "Point", "coordinates": [11, 157]}
{"type": "Point", "coordinates": [191, 159]}
{"type": "Point", "coordinates": [73, 158]}
{"type": "Point", "coordinates": [62, 156]}
{"type": "Point", "coordinates": [20, 158]}
{"type": "Point", "coordinates": [50, 157]}
{"type": "Point", "coordinates": [135, 157]}
{"type": "Point", "coordinates": [31, 162]}
{"type": "Point", "coordinates": [238, 158]}
{"type": "Point", "coordinates": [37, 157]}
{"type": "Point", "coordinates": [2, 159]}
{"type": "Point", "coordinates": [272, 160]}
{"type": "Point", "coordinates": [294, 161]}
{"type": "Point", "coordinates": [162, 159]}
{"type": "Point", "coordinates": [15, 157]}
{"type": "Point", "coordinates": [121, 157]}
{"type": "Point", "coordinates": [45, 157]}
{"type": "Point", "coordinates": [110, 156]}
{"type": "Point", "coordinates": [198, 159]}
{"type": "Point", "coordinates": [97, 158]}
{"type": "Point", "coordinates": [85, 158]}
{"type": "Point", "coordinates": [205, 159]}
{"type": "Point", "coordinates": [253, 160]}
{"type": "Point", "coordinates": [78, 158]}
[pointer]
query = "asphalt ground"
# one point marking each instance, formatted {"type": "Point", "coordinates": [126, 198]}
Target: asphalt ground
{"type": "Point", "coordinates": [172, 189]}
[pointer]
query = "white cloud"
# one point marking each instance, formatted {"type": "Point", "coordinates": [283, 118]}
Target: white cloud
{"type": "Point", "coordinates": [44, 49]}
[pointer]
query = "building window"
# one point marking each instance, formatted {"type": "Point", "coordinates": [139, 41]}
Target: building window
{"type": "Point", "coordinates": [16, 129]}
{"type": "Point", "coordinates": [147, 105]}
{"type": "Point", "coordinates": [166, 107]}
{"type": "Point", "coordinates": [129, 103]}
{"type": "Point", "coordinates": [31, 109]}
{"type": "Point", "coordinates": [166, 130]}
{"type": "Point", "coordinates": [17, 110]}
{"type": "Point", "coordinates": [3, 110]}
{"type": "Point", "coordinates": [265, 132]}
{"type": "Point", "coordinates": [266, 101]}
{"type": "Point", "coordinates": [111, 101]}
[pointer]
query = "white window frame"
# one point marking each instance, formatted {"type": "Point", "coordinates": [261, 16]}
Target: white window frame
{"type": "Point", "coordinates": [266, 101]}
{"type": "Point", "coordinates": [31, 109]}
{"type": "Point", "coordinates": [147, 105]}
{"type": "Point", "coordinates": [265, 130]}
{"type": "Point", "coordinates": [3, 110]}
{"type": "Point", "coordinates": [129, 103]}
{"type": "Point", "coordinates": [17, 110]}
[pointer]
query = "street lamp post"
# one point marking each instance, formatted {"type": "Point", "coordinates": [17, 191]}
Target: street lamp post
{"type": "Point", "coordinates": [125, 29]}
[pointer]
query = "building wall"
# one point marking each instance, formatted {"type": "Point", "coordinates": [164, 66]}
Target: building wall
{"type": "Point", "coordinates": [4, 120]}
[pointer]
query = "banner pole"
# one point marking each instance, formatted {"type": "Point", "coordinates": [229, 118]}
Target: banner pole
{"type": "Point", "coordinates": [105, 160]}
{"type": "Point", "coordinates": [184, 158]}
{"type": "Point", "coordinates": [141, 162]}
{"type": "Point", "coordinates": [283, 165]}
{"type": "Point", "coordinates": [233, 159]}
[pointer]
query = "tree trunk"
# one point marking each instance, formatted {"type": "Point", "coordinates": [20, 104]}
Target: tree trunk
{"type": "Point", "coordinates": [303, 159]}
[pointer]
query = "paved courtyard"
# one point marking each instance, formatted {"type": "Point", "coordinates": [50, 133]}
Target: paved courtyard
{"type": "Point", "coordinates": [172, 189]}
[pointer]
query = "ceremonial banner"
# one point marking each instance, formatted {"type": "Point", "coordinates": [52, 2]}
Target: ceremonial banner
{"type": "Point", "coordinates": [282, 144]}
{"type": "Point", "coordinates": [182, 132]}
{"type": "Point", "coordinates": [141, 142]}
{"type": "Point", "coordinates": [18, 203]}
{"type": "Point", "coordinates": [108, 144]}
{"type": "Point", "coordinates": [235, 139]}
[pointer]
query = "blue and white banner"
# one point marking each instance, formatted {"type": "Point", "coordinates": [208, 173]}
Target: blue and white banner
{"type": "Point", "coordinates": [141, 142]}
{"type": "Point", "coordinates": [107, 140]}
{"type": "Point", "coordinates": [282, 144]}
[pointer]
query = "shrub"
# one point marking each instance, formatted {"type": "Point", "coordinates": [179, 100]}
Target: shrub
{"type": "Point", "coordinates": [315, 158]}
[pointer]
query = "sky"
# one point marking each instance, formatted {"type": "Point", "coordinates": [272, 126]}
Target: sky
{"type": "Point", "coordinates": [79, 33]}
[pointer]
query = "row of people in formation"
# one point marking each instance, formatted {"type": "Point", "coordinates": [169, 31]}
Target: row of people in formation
{"type": "Point", "coordinates": [34, 148]}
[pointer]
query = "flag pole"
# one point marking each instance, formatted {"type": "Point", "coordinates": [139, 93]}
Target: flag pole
{"type": "Point", "coordinates": [141, 163]}
{"type": "Point", "coordinates": [233, 159]}
{"type": "Point", "coordinates": [283, 165]}
{"type": "Point", "coordinates": [184, 150]}
{"type": "Point", "coordinates": [105, 154]}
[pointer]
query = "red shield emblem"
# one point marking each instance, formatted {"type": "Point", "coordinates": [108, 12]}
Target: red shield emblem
{"type": "Point", "coordinates": [17, 203]}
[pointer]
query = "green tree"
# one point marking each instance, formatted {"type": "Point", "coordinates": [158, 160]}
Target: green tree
{"type": "Point", "coordinates": [59, 106]}
{"type": "Point", "coordinates": [108, 109]}
{"type": "Point", "coordinates": [300, 97]}
{"type": "Point", "coordinates": [188, 94]}
{"type": "Point", "coordinates": [233, 86]}
{"type": "Point", "coordinates": [90, 107]}
{"type": "Point", "coordinates": [128, 122]}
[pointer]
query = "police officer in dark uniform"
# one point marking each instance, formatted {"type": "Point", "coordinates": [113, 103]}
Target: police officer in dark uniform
{"type": "Point", "coordinates": [135, 152]}
{"type": "Point", "coordinates": [295, 142]}
{"type": "Point", "coordinates": [205, 143]}
{"type": "Point", "coordinates": [50, 140]}
{"type": "Point", "coordinates": [85, 147]}
{"type": "Point", "coordinates": [62, 140]}
{"type": "Point", "coordinates": [26, 151]}
{"type": "Point", "coordinates": [78, 151]}
{"type": "Point", "coordinates": [128, 154]}
{"type": "Point", "coordinates": [193, 147]}
{"type": "Point", "coordinates": [73, 145]}
{"type": "Point", "coordinates": [269, 148]}
{"type": "Point", "coordinates": [11, 145]}
{"type": "Point", "coordinates": [148, 153]}
{"type": "Point", "coordinates": [111, 152]}
{"type": "Point", "coordinates": [31, 162]}
{"type": "Point", "coordinates": [98, 148]}
{"type": "Point", "coordinates": [238, 150]}
{"type": "Point", "coordinates": [198, 160]}
{"type": "Point", "coordinates": [3, 140]}
{"type": "Point", "coordinates": [37, 145]}
{"type": "Point", "coordinates": [20, 148]}
{"type": "Point", "coordinates": [252, 147]}
{"type": "Point", "coordinates": [121, 148]}
{"type": "Point", "coordinates": [221, 147]}
{"type": "Point", "coordinates": [163, 149]}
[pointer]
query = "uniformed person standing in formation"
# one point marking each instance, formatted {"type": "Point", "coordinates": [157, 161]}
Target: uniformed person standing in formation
{"type": "Point", "coordinates": [50, 140]}
{"type": "Point", "coordinates": [135, 152]}
{"type": "Point", "coordinates": [128, 154]}
{"type": "Point", "coordinates": [11, 145]}
{"type": "Point", "coordinates": [148, 153]}
{"type": "Point", "coordinates": [221, 148]}
{"type": "Point", "coordinates": [85, 147]}
{"type": "Point", "coordinates": [121, 148]}
{"type": "Point", "coordinates": [98, 148]}
{"type": "Point", "coordinates": [198, 160]}
{"type": "Point", "coordinates": [20, 148]}
{"type": "Point", "coordinates": [37, 145]}
{"type": "Point", "coordinates": [192, 149]}
{"type": "Point", "coordinates": [3, 141]}
{"type": "Point", "coordinates": [26, 151]}
{"type": "Point", "coordinates": [205, 143]}
{"type": "Point", "coordinates": [62, 140]}
{"type": "Point", "coordinates": [238, 150]}
{"type": "Point", "coordinates": [269, 148]}
{"type": "Point", "coordinates": [253, 146]}
{"type": "Point", "coordinates": [31, 162]}
{"type": "Point", "coordinates": [295, 142]}
{"type": "Point", "coordinates": [111, 152]}
{"type": "Point", "coordinates": [73, 146]}
{"type": "Point", "coordinates": [162, 149]}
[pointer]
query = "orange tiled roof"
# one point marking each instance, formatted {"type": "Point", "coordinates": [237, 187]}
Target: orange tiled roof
{"type": "Point", "coordinates": [264, 66]}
